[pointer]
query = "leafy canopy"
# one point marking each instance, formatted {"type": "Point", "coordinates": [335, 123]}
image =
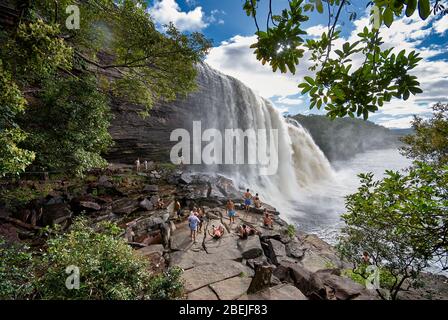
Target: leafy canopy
{"type": "Point", "coordinates": [429, 143]}
{"type": "Point", "coordinates": [401, 221]}
{"type": "Point", "coordinates": [338, 85]}
{"type": "Point", "coordinates": [56, 82]}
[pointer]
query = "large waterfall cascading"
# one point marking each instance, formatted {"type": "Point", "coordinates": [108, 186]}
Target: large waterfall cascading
{"type": "Point", "coordinates": [300, 161]}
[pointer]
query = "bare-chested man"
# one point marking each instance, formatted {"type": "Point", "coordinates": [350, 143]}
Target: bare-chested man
{"type": "Point", "coordinates": [247, 200]}
{"type": "Point", "coordinates": [231, 210]}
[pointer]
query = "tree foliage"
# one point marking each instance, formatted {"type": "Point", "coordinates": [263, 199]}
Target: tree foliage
{"type": "Point", "coordinates": [401, 221]}
{"type": "Point", "coordinates": [340, 86]}
{"type": "Point", "coordinates": [117, 51]}
{"type": "Point", "coordinates": [108, 267]}
{"type": "Point", "coordinates": [429, 143]}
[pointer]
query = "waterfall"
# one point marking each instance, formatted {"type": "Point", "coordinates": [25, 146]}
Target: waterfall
{"type": "Point", "coordinates": [223, 103]}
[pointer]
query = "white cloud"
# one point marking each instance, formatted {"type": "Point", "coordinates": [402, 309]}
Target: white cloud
{"type": "Point", "coordinates": [404, 122]}
{"type": "Point", "coordinates": [166, 11]}
{"type": "Point", "coordinates": [441, 25]}
{"type": "Point", "coordinates": [290, 101]}
{"type": "Point", "coordinates": [235, 58]}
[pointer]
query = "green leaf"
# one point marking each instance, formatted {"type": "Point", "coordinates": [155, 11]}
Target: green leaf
{"type": "Point", "coordinates": [309, 80]}
{"type": "Point", "coordinates": [410, 8]}
{"type": "Point", "coordinates": [319, 6]}
{"type": "Point", "coordinates": [424, 9]}
{"type": "Point", "coordinates": [388, 17]}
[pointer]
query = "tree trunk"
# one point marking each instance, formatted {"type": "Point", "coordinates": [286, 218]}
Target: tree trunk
{"type": "Point", "coordinates": [262, 278]}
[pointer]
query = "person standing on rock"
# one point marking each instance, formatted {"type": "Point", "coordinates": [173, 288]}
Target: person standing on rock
{"type": "Point", "coordinates": [193, 222]}
{"type": "Point", "coordinates": [177, 209]}
{"type": "Point", "coordinates": [231, 210]}
{"type": "Point", "coordinates": [200, 215]}
{"type": "Point", "coordinates": [247, 200]}
{"type": "Point", "coordinates": [146, 165]}
{"type": "Point", "coordinates": [137, 164]}
{"type": "Point", "coordinates": [257, 202]}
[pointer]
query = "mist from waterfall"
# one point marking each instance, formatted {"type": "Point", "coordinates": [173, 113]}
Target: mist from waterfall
{"type": "Point", "coordinates": [301, 163]}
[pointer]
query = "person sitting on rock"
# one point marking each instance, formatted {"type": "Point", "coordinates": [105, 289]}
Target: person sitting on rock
{"type": "Point", "coordinates": [267, 219]}
{"type": "Point", "coordinates": [160, 204]}
{"type": "Point", "coordinates": [193, 222]}
{"type": "Point", "coordinates": [231, 210]}
{"type": "Point", "coordinates": [257, 202]}
{"type": "Point", "coordinates": [244, 231]}
{"type": "Point", "coordinates": [217, 232]}
{"type": "Point", "coordinates": [247, 200]}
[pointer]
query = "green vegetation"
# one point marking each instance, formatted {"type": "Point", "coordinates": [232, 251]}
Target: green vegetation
{"type": "Point", "coordinates": [108, 268]}
{"type": "Point", "coordinates": [291, 230]}
{"type": "Point", "coordinates": [402, 220]}
{"type": "Point", "coordinates": [16, 272]}
{"type": "Point", "coordinates": [167, 286]}
{"type": "Point", "coordinates": [56, 82]}
{"type": "Point", "coordinates": [337, 86]}
{"type": "Point", "coordinates": [430, 141]}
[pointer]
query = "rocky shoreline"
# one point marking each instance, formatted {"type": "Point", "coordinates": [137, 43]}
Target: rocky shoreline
{"type": "Point", "coordinates": [277, 263]}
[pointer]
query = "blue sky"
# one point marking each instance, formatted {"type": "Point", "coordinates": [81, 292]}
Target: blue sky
{"type": "Point", "coordinates": [232, 32]}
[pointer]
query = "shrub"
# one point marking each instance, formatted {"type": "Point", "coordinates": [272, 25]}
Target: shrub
{"type": "Point", "coordinates": [167, 285]}
{"type": "Point", "coordinates": [108, 267]}
{"type": "Point", "coordinates": [16, 271]}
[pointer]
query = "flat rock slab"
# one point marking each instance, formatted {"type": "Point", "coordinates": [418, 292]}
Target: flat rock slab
{"type": "Point", "coordinates": [149, 250]}
{"type": "Point", "coordinates": [180, 239]}
{"type": "Point", "coordinates": [231, 289]}
{"type": "Point", "coordinates": [279, 292]}
{"type": "Point", "coordinates": [202, 294]}
{"type": "Point", "coordinates": [207, 274]}
{"type": "Point", "coordinates": [250, 247]}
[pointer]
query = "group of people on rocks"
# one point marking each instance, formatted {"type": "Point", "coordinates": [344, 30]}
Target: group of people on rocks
{"type": "Point", "coordinates": [196, 218]}
{"type": "Point", "coordinates": [195, 222]}
{"type": "Point", "coordinates": [139, 164]}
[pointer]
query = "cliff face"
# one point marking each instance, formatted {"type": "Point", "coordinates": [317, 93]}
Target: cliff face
{"type": "Point", "coordinates": [149, 137]}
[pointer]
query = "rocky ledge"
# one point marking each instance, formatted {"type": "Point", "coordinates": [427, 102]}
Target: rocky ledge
{"type": "Point", "coordinates": [275, 263]}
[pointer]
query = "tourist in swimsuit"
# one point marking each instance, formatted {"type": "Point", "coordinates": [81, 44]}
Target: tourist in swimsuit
{"type": "Point", "coordinates": [247, 200]}
{"type": "Point", "coordinates": [267, 220]}
{"type": "Point", "coordinates": [200, 215]}
{"type": "Point", "coordinates": [193, 222]}
{"type": "Point", "coordinates": [231, 210]}
{"type": "Point", "coordinates": [177, 209]}
{"type": "Point", "coordinates": [257, 202]}
{"type": "Point", "coordinates": [217, 232]}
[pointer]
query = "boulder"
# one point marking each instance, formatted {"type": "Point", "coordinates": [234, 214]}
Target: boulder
{"type": "Point", "coordinates": [57, 213]}
{"type": "Point", "coordinates": [231, 289]}
{"type": "Point", "coordinates": [145, 204]}
{"type": "Point", "coordinates": [261, 279]}
{"type": "Point", "coordinates": [89, 206]}
{"type": "Point", "coordinates": [328, 284]}
{"type": "Point", "coordinates": [125, 206]}
{"type": "Point", "coordinates": [294, 250]}
{"type": "Point", "coordinates": [151, 188]}
{"type": "Point", "coordinates": [277, 250]}
{"type": "Point", "coordinates": [250, 247]}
